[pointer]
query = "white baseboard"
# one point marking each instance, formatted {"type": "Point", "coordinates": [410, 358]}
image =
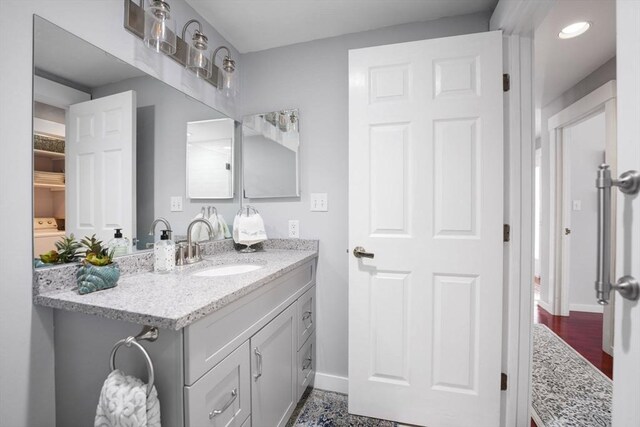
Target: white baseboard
{"type": "Point", "coordinates": [330, 382]}
{"type": "Point", "coordinates": [587, 308]}
{"type": "Point", "coordinates": [545, 305]}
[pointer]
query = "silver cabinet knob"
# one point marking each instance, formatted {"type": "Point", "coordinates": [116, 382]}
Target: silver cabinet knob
{"type": "Point", "coordinates": [360, 252]}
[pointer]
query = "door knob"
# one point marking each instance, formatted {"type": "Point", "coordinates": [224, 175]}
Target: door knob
{"type": "Point", "coordinates": [567, 231]}
{"type": "Point", "coordinates": [360, 252]}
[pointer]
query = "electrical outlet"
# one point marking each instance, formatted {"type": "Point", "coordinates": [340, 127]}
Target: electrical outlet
{"type": "Point", "coordinates": [176, 204]}
{"type": "Point", "coordinates": [294, 229]}
{"type": "Point", "coordinates": [319, 202]}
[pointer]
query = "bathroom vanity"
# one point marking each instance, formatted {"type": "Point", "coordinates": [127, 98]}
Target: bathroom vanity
{"type": "Point", "coordinates": [232, 350]}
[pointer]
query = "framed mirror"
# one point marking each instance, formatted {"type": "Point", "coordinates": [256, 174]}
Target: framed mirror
{"type": "Point", "coordinates": [271, 161]}
{"type": "Point", "coordinates": [111, 148]}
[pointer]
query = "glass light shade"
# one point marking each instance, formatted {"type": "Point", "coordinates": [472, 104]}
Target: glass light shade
{"type": "Point", "coordinates": [198, 61]}
{"type": "Point", "coordinates": [159, 28]}
{"type": "Point", "coordinates": [227, 82]}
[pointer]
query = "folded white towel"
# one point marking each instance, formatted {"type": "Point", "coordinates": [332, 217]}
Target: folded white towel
{"type": "Point", "coordinates": [124, 403]}
{"type": "Point", "coordinates": [249, 230]}
{"type": "Point", "coordinates": [221, 227]}
{"type": "Point", "coordinates": [213, 219]}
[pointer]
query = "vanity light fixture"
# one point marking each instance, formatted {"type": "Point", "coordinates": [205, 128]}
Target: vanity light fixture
{"type": "Point", "coordinates": [226, 79]}
{"type": "Point", "coordinates": [159, 28]}
{"type": "Point", "coordinates": [193, 56]}
{"type": "Point", "coordinates": [198, 60]}
{"type": "Point", "coordinates": [574, 30]}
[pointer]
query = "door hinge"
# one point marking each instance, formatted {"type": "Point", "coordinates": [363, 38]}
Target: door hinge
{"type": "Point", "coordinates": [506, 233]}
{"type": "Point", "coordinates": [503, 382]}
{"type": "Point", "coordinates": [506, 82]}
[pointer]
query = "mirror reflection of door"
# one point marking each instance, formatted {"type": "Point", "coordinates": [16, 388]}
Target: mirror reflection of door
{"type": "Point", "coordinates": [210, 145]}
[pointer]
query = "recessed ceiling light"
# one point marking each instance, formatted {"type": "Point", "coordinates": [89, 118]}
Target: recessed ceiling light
{"type": "Point", "coordinates": [574, 30]}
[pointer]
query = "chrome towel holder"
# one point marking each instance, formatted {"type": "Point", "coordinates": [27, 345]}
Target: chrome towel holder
{"type": "Point", "coordinates": [149, 333]}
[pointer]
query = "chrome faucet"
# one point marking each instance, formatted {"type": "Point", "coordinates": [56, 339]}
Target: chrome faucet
{"type": "Point", "coordinates": [152, 231]}
{"type": "Point", "coordinates": [193, 249]}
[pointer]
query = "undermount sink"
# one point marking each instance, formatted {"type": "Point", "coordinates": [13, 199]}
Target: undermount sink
{"type": "Point", "coordinates": [227, 270]}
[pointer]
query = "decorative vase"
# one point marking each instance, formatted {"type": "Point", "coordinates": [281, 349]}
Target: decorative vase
{"type": "Point", "coordinates": [93, 278]}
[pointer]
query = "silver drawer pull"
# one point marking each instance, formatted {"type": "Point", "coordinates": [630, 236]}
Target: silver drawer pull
{"type": "Point", "coordinates": [307, 316]}
{"type": "Point", "coordinates": [216, 412]}
{"type": "Point", "coordinates": [259, 362]}
{"type": "Point", "coordinates": [309, 360]}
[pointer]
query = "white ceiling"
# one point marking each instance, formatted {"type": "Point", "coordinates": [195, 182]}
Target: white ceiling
{"type": "Point", "coordinates": [253, 25]}
{"type": "Point", "coordinates": [62, 54]}
{"type": "Point", "coordinates": [560, 64]}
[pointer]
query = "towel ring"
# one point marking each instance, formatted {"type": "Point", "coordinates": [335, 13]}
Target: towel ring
{"type": "Point", "coordinates": [247, 209]}
{"type": "Point", "coordinates": [128, 342]}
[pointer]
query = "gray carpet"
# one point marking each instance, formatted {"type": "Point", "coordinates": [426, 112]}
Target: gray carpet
{"type": "Point", "coordinates": [320, 408]}
{"type": "Point", "coordinates": [567, 390]}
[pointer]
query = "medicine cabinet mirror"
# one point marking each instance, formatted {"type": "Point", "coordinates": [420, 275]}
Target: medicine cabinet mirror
{"type": "Point", "coordinates": [271, 144]}
{"type": "Point", "coordinates": [110, 148]}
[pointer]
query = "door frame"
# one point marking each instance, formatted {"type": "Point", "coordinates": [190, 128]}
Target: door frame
{"type": "Point", "coordinates": [601, 100]}
{"type": "Point", "coordinates": [517, 19]}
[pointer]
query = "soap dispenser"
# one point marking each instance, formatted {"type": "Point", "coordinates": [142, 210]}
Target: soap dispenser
{"type": "Point", "coordinates": [119, 245]}
{"type": "Point", "coordinates": [164, 254]}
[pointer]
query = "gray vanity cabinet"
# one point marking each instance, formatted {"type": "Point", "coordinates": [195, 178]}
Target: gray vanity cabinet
{"type": "Point", "coordinates": [249, 363]}
{"type": "Point", "coordinates": [274, 391]}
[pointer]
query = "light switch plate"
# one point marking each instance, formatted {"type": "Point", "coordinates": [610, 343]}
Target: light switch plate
{"type": "Point", "coordinates": [294, 229]}
{"type": "Point", "coordinates": [176, 203]}
{"type": "Point", "coordinates": [319, 202]}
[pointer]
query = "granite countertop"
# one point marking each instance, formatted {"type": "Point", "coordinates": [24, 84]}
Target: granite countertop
{"type": "Point", "coordinates": [177, 299]}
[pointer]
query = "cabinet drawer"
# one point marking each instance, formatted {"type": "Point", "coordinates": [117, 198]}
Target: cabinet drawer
{"type": "Point", "coordinates": [209, 340]}
{"type": "Point", "coordinates": [221, 398]}
{"type": "Point", "coordinates": [306, 366]}
{"type": "Point", "coordinates": [306, 315]}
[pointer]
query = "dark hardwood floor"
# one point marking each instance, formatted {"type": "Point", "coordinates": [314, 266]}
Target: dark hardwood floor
{"type": "Point", "coordinates": [583, 332]}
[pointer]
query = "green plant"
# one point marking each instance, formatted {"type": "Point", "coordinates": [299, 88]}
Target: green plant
{"type": "Point", "coordinates": [67, 249]}
{"type": "Point", "coordinates": [50, 257]}
{"type": "Point", "coordinates": [96, 254]}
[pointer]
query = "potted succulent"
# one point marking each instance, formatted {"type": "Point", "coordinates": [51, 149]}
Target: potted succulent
{"type": "Point", "coordinates": [66, 252]}
{"type": "Point", "coordinates": [98, 270]}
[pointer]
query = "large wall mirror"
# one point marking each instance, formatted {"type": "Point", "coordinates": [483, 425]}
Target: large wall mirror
{"type": "Point", "coordinates": [271, 144]}
{"type": "Point", "coordinates": [117, 148]}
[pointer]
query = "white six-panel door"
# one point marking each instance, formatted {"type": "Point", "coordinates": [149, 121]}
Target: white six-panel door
{"type": "Point", "coordinates": [425, 196]}
{"type": "Point", "coordinates": [100, 167]}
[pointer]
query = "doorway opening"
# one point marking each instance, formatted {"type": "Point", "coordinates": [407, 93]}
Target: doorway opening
{"type": "Point", "coordinates": [575, 133]}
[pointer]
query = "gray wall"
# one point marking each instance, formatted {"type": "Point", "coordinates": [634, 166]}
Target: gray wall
{"type": "Point", "coordinates": [26, 332]}
{"type": "Point", "coordinates": [602, 75]}
{"type": "Point", "coordinates": [172, 111]}
{"type": "Point", "coordinates": [270, 168]}
{"type": "Point", "coordinates": [587, 143]}
{"type": "Point", "coordinates": [313, 77]}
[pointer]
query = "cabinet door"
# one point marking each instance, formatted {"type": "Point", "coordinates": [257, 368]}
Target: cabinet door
{"type": "Point", "coordinates": [273, 371]}
{"type": "Point", "coordinates": [221, 397]}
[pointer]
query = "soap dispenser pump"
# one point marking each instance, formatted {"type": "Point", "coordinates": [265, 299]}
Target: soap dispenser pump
{"type": "Point", "coordinates": [119, 245]}
{"type": "Point", "coordinates": [164, 254]}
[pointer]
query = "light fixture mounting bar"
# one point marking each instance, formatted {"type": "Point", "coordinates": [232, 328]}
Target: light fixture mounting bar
{"type": "Point", "coordinates": [134, 23]}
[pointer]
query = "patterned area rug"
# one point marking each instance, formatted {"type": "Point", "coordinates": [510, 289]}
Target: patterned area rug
{"type": "Point", "coordinates": [567, 390]}
{"type": "Point", "coordinates": [320, 408]}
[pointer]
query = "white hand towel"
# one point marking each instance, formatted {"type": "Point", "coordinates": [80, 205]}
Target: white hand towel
{"type": "Point", "coordinates": [124, 403]}
{"type": "Point", "coordinates": [213, 219]}
{"type": "Point", "coordinates": [249, 230]}
{"type": "Point", "coordinates": [225, 227]}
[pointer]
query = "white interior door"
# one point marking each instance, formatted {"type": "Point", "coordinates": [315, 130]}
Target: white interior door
{"type": "Point", "coordinates": [626, 369]}
{"type": "Point", "coordinates": [100, 167]}
{"type": "Point", "coordinates": [426, 197]}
